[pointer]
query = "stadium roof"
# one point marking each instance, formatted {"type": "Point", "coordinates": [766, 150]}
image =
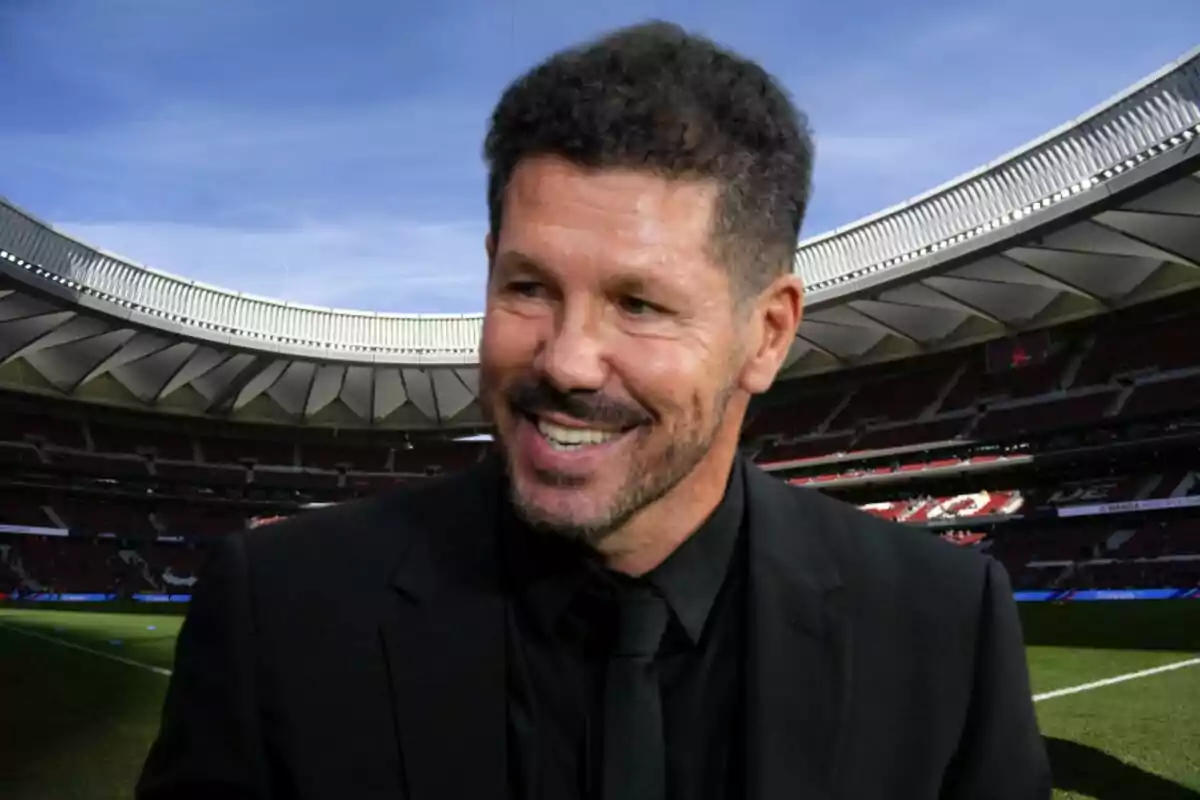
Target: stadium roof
{"type": "Point", "coordinates": [1099, 213]}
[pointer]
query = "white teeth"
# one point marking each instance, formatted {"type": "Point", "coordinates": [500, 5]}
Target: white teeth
{"type": "Point", "coordinates": [571, 438]}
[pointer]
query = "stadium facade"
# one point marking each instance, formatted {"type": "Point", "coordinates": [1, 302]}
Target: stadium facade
{"type": "Point", "coordinates": [1009, 359]}
{"type": "Point", "coordinates": [1095, 215]}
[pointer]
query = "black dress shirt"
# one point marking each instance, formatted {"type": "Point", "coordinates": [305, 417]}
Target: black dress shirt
{"type": "Point", "coordinates": [560, 624]}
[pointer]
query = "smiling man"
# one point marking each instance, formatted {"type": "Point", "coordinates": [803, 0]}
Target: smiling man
{"type": "Point", "coordinates": [616, 605]}
{"type": "Point", "coordinates": [618, 350]}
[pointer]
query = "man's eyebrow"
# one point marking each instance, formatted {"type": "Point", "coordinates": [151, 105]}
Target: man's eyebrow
{"type": "Point", "coordinates": [648, 285]}
{"type": "Point", "coordinates": [516, 260]}
{"type": "Point", "coordinates": [632, 284]}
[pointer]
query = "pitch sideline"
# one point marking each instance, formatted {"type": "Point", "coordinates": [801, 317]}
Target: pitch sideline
{"type": "Point", "coordinates": [1037, 698]}
{"type": "Point", "coordinates": [1129, 676]}
{"type": "Point", "coordinates": [93, 651]}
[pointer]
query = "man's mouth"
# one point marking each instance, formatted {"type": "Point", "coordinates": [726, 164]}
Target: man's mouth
{"type": "Point", "coordinates": [567, 439]}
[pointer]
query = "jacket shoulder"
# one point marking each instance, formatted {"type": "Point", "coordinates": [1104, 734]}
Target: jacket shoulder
{"type": "Point", "coordinates": [363, 539]}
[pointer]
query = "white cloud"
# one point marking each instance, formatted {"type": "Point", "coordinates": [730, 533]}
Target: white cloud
{"type": "Point", "coordinates": [248, 153]}
{"type": "Point", "coordinates": [363, 209]}
{"type": "Point", "coordinates": [375, 199]}
{"type": "Point", "coordinates": [942, 91]}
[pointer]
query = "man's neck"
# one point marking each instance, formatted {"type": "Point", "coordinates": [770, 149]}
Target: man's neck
{"type": "Point", "coordinates": [657, 531]}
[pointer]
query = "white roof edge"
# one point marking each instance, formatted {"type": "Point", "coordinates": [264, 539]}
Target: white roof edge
{"type": "Point", "coordinates": [431, 319]}
{"type": "Point", "coordinates": [226, 291]}
{"type": "Point", "coordinates": [1008, 157]}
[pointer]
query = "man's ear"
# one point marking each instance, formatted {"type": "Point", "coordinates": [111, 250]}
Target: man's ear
{"type": "Point", "coordinates": [771, 332]}
{"type": "Point", "coordinates": [489, 245]}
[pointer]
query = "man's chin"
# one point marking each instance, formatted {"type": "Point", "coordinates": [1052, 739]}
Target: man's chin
{"type": "Point", "coordinates": [576, 511]}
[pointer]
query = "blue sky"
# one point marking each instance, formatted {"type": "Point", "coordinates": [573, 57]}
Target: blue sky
{"type": "Point", "coordinates": [329, 152]}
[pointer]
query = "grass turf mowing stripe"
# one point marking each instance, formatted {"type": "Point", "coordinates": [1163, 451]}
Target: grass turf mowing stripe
{"type": "Point", "coordinates": [74, 646]}
{"type": "Point", "coordinates": [1037, 698]}
{"type": "Point", "coordinates": [1129, 676]}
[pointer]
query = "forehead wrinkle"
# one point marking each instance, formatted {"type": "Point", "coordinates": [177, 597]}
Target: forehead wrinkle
{"type": "Point", "coordinates": [632, 198]}
{"type": "Point", "coordinates": [608, 226]}
{"type": "Point", "coordinates": [613, 264]}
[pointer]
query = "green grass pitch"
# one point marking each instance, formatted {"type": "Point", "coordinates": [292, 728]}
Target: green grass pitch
{"type": "Point", "coordinates": [76, 726]}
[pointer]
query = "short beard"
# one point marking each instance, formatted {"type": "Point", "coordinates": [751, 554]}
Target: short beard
{"type": "Point", "coordinates": [647, 486]}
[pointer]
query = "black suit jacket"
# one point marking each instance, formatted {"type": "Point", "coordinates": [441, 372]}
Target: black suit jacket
{"type": "Point", "coordinates": [358, 651]}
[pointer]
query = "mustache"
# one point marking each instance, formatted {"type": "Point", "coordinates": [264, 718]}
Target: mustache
{"type": "Point", "coordinates": [537, 396]}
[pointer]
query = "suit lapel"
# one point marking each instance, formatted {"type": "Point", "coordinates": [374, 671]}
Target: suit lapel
{"type": "Point", "coordinates": [444, 641]}
{"type": "Point", "coordinates": [798, 649]}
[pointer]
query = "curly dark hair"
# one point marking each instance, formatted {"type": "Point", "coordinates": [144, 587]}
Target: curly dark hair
{"type": "Point", "coordinates": [654, 97]}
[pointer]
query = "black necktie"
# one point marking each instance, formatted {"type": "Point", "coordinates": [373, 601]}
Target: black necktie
{"type": "Point", "coordinates": [634, 750]}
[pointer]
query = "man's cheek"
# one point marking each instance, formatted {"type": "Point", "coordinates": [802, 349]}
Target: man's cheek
{"type": "Point", "coordinates": [665, 377]}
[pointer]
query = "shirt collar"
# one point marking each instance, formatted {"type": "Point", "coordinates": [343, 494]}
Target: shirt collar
{"type": "Point", "coordinates": [693, 575]}
{"type": "Point", "coordinates": [549, 572]}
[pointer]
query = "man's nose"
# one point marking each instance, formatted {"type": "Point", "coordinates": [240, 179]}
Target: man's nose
{"type": "Point", "coordinates": [573, 356]}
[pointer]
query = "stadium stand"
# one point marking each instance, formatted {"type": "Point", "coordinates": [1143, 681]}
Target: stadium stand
{"type": "Point", "coordinates": [1072, 463]}
{"type": "Point", "coordinates": [143, 414]}
{"type": "Point", "coordinates": [1052, 379]}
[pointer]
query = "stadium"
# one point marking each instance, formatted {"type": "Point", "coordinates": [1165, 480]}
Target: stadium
{"type": "Point", "coordinates": [1009, 360]}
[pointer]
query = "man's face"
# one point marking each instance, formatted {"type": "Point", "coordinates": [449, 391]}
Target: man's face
{"type": "Point", "coordinates": [611, 343]}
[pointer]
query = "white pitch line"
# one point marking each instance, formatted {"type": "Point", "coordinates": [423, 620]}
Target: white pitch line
{"type": "Point", "coordinates": [73, 646]}
{"type": "Point", "coordinates": [1037, 698]}
{"type": "Point", "coordinates": [1087, 687]}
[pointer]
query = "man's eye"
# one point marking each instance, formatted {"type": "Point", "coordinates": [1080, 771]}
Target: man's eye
{"type": "Point", "coordinates": [636, 306]}
{"type": "Point", "coordinates": [525, 288]}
